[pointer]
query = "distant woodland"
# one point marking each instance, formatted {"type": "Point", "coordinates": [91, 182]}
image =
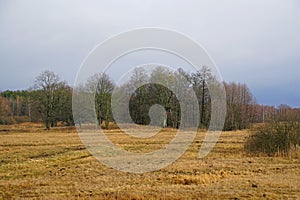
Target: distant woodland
{"type": "Point", "coordinates": [49, 100]}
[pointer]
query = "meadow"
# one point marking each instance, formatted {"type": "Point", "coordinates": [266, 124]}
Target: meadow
{"type": "Point", "coordinates": [54, 164]}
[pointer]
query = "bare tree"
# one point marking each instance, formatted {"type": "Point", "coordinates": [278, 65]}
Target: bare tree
{"type": "Point", "coordinates": [49, 86]}
{"type": "Point", "coordinates": [240, 106]}
{"type": "Point", "coordinates": [199, 81]}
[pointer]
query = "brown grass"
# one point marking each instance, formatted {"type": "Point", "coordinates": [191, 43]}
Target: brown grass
{"type": "Point", "coordinates": [40, 164]}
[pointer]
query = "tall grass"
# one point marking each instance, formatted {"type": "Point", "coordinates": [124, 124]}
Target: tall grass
{"type": "Point", "coordinates": [274, 138]}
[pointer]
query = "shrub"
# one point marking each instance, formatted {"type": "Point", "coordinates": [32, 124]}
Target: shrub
{"type": "Point", "coordinates": [22, 119]}
{"type": "Point", "coordinates": [7, 120]}
{"type": "Point", "coordinates": [275, 138]}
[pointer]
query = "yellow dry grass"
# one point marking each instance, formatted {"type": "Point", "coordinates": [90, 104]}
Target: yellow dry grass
{"type": "Point", "coordinates": [40, 164]}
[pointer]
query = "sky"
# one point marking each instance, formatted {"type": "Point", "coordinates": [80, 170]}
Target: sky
{"type": "Point", "coordinates": [251, 41]}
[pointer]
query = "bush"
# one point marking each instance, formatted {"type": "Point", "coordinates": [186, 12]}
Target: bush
{"type": "Point", "coordinates": [276, 138]}
{"type": "Point", "coordinates": [7, 120]}
{"type": "Point", "coordinates": [22, 119]}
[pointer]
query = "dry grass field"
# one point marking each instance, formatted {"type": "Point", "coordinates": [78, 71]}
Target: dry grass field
{"type": "Point", "coordinates": [40, 164]}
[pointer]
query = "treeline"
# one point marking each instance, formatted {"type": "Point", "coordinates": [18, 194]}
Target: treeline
{"type": "Point", "coordinates": [50, 100]}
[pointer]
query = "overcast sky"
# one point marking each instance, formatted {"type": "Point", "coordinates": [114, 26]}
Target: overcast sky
{"type": "Point", "coordinates": [251, 41]}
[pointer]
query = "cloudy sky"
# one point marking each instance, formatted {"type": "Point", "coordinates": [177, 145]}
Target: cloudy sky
{"type": "Point", "coordinates": [251, 41]}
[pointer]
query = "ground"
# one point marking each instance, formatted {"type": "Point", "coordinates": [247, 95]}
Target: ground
{"type": "Point", "coordinates": [40, 164]}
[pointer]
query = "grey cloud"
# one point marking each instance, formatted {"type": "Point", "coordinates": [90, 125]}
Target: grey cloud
{"type": "Point", "coordinates": [256, 42]}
